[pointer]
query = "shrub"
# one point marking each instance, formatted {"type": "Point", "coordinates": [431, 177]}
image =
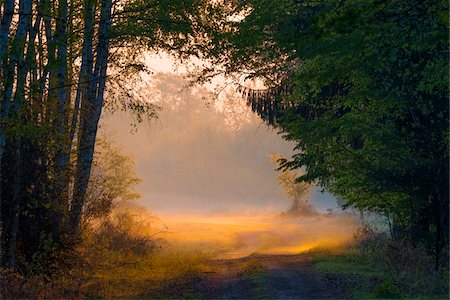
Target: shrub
{"type": "Point", "coordinates": [387, 290]}
{"type": "Point", "coordinates": [409, 268]}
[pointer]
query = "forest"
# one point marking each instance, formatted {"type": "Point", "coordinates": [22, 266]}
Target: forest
{"type": "Point", "coordinates": [359, 87]}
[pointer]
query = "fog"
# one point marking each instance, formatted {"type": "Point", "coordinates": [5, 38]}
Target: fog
{"type": "Point", "coordinates": [203, 153]}
{"type": "Point", "coordinates": [208, 177]}
{"type": "Point", "coordinates": [239, 235]}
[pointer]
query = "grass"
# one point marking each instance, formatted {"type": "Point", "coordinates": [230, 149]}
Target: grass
{"type": "Point", "coordinates": [166, 274]}
{"type": "Point", "coordinates": [349, 273]}
{"type": "Point", "coordinates": [345, 264]}
{"type": "Point", "coordinates": [257, 276]}
{"type": "Point", "coordinates": [367, 278]}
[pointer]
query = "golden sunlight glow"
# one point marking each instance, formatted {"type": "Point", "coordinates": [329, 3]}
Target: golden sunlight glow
{"type": "Point", "coordinates": [238, 235]}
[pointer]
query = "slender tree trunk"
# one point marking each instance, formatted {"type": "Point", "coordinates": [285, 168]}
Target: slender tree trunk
{"type": "Point", "coordinates": [12, 237]}
{"type": "Point", "coordinates": [17, 49]}
{"type": "Point", "coordinates": [43, 71]}
{"type": "Point", "coordinates": [24, 65]}
{"type": "Point", "coordinates": [50, 68]}
{"type": "Point", "coordinates": [86, 66]}
{"type": "Point", "coordinates": [17, 60]}
{"type": "Point", "coordinates": [102, 51]}
{"type": "Point", "coordinates": [70, 59]}
{"type": "Point", "coordinates": [62, 155]}
{"type": "Point", "coordinates": [8, 10]}
{"type": "Point", "coordinates": [90, 115]}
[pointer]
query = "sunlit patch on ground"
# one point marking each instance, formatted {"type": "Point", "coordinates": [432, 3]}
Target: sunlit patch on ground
{"type": "Point", "coordinates": [238, 235]}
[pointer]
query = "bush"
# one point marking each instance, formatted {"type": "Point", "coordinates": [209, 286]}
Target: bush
{"type": "Point", "coordinates": [409, 269]}
{"type": "Point", "coordinates": [377, 266]}
{"type": "Point", "coordinates": [122, 257]}
{"type": "Point", "coordinates": [15, 286]}
{"type": "Point", "coordinates": [387, 290]}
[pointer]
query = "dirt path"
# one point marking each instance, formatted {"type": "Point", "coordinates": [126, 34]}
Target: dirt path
{"type": "Point", "coordinates": [266, 277]}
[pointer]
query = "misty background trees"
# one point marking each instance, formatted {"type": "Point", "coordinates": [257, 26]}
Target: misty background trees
{"type": "Point", "coordinates": [298, 192]}
{"type": "Point", "coordinates": [200, 157]}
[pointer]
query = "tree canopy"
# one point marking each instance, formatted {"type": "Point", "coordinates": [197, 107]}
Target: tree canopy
{"type": "Point", "coordinates": [362, 88]}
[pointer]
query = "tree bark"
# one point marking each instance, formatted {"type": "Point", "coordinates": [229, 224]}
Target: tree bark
{"type": "Point", "coordinates": [17, 60]}
{"type": "Point", "coordinates": [8, 10]}
{"type": "Point", "coordinates": [62, 156]}
{"type": "Point", "coordinates": [12, 234]}
{"type": "Point", "coordinates": [62, 97]}
{"type": "Point", "coordinates": [85, 75]}
{"type": "Point", "coordinates": [90, 115]}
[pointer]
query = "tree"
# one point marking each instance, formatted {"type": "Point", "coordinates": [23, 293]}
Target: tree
{"type": "Point", "coordinates": [297, 192]}
{"type": "Point", "coordinates": [362, 87]}
{"type": "Point", "coordinates": [57, 61]}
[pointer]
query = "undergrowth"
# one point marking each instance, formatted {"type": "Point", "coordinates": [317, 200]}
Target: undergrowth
{"type": "Point", "coordinates": [117, 259]}
{"type": "Point", "coordinates": [378, 267]}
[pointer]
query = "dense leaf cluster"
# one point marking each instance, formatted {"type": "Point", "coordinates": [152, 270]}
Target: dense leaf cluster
{"type": "Point", "coordinates": [367, 102]}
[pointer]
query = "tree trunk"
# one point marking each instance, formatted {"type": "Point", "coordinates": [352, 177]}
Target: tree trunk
{"type": "Point", "coordinates": [17, 49]}
{"type": "Point", "coordinates": [8, 10]}
{"type": "Point", "coordinates": [17, 59]}
{"type": "Point", "coordinates": [90, 115]}
{"type": "Point", "coordinates": [87, 62]}
{"type": "Point", "coordinates": [12, 234]}
{"type": "Point", "coordinates": [62, 155]}
{"type": "Point", "coordinates": [84, 92]}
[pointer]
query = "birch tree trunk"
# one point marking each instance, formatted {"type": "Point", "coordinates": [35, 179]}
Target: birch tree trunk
{"type": "Point", "coordinates": [8, 11]}
{"type": "Point", "coordinates": [62, 155]}
{"type": "Point", "coordinates": [92, 103]}
{"type": "Point", "coordinates": [16, 60]}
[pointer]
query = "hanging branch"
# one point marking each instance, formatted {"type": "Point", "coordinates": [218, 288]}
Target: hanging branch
{"type": "Point", "coordinates": [266, 103]}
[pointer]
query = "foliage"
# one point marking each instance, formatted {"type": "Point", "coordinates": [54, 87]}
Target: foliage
{"type": "Point", "coordinates": [113, 179]}
{"type": "Point", "coordinates": [387, 291]}
{"type": "Point", "coordinates": [123, 257]}
{"type": "Point", "coordinates": [119, 257]}
{"type": "Point", "coordinates": [16, 286]}
{"type": "Point", "coordinates": [362, 88]}
{"type": "Point", "coordinates": [297, 192]}
{"type": "Point", "coordinates": [377, 267]}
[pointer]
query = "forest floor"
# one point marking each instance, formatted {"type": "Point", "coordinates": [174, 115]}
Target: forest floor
{"type": "Point", "coordinates": [266, 277]}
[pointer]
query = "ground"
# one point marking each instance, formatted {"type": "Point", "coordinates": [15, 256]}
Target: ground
{"type": "Point", "coordinates": [266, 277]}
